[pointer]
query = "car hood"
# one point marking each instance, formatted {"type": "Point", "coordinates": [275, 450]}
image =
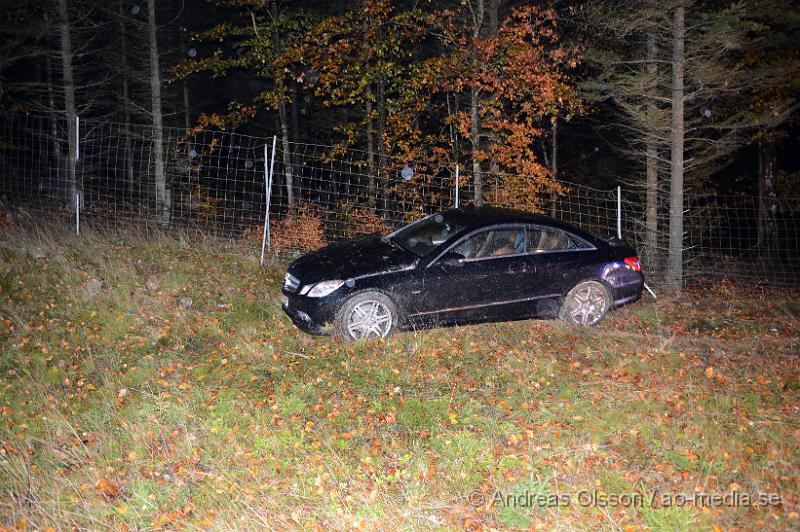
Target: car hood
{"type": "Point", "coordinates": [351, 259]}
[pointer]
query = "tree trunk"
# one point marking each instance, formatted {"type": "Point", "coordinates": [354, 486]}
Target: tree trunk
{"type": "Point", "coordinates": [162, 198]}
{"type": "Point", "coordinates": [478, 21]}
{"type": "Point", "coordinates": [127, 121]}
{"type": "Point", "coordinates": [283, 120]}
{"type": "Point", "coordinates": [452, 115]}
{"type": "Point", "coordinates": [370, 156]}
{"type": "Point", "coordinates": [554, 168]}
{"type": "Point", "coordinates": [126, 95]}
{"type": "Point", "coordinates": [651, 206]}
{"type": "Point", "coordinates": [51, 100]}
{"type": "Point", "coordinates": [68, 75]}
{"type": "Point", "coordinates": [287, 149]}
{"type": "Point", "coordinates": [493, 15]}
{"type": "Point", "coordinates": [675, 272]}
{"type": "Point", "coordinates": [187, 110]}
{"type": "Point", "coordinates": [381, 132]}
{"type": "Point", "coordinates": [295, 114]}
{"type": "Point", "coordinates": [767, 200]}
{"type": "Point", "coordinates": [295, 111]}
{"type": "Point", "coordinates": [477, 176]}
{"type": "Point", "coordinates": [651, 209]}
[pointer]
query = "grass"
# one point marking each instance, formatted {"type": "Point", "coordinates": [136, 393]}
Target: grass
{"type": "Point", "coordinates": [132, 408]}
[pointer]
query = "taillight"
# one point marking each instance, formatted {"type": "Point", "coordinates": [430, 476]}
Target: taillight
{"type": "Point", "coordinates": [633, 262]}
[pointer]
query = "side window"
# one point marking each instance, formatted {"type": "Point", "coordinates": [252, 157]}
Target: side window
{"type": "Point", "coordinates": [541, 240]}
{"type": "Point", "coordinates": [493, 243]}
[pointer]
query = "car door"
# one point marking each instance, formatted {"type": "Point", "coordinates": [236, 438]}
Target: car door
{"type": "Point", "coordinates": [560, 259]}
{"type": "Point", "coordinates": [477, 276]}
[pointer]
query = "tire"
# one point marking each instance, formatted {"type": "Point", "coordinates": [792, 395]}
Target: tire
{"type": "Point", "coordinates": [586, 304]}
{"type": "Point", "coordinates": [366, 315]}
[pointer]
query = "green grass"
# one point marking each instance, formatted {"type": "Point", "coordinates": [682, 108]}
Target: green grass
{"type": "Point", "coordinates": [129, 409]}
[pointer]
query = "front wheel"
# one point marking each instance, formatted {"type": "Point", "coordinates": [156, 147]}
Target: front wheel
{"type": "Point", "coordinates": [366, 315]}
{"type": "Point", "coordinates": [586, 304]}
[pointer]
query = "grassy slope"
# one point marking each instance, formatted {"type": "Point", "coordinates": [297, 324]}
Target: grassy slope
{"type": "Point", "coordinates": [132, 409]}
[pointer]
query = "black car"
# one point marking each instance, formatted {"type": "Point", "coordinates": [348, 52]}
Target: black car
{"type": "Point", "coordinates": [466, 265]}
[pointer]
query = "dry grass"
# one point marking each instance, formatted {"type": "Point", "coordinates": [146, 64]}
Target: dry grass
{"type": "Point", "coordinates": [179, 396]}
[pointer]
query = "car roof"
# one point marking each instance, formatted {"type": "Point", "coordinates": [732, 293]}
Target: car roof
{"type": "Point", "coordinates": [476, 217]}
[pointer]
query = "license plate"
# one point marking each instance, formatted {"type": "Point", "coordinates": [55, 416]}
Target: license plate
{"type": "Point", "coordinates": [285, 301]}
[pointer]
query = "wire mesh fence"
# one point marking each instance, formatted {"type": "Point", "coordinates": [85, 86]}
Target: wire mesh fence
{"type": "Point", "coordinates": [230, 184]}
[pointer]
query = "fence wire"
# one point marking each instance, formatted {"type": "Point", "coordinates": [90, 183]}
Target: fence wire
{"type": "Point", "coordinates": [216, 182]}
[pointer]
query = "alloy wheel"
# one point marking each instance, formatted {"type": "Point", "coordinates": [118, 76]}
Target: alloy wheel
{"type": "Point", "coordinates": [588, 304]}
{"type": "Point", "coordinates": [369, 318]}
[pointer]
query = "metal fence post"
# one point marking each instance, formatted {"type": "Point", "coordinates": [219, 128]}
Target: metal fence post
{"type": "Point", "coordinates": [619, 212]}
{"type": "Point", "coordinates": [266, 201]}
{"type": "Point", "coordinates": [457, 176]}
{"type": "Point", "coordinates": [266, 237]}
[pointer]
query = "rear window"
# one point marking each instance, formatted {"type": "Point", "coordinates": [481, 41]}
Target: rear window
{"type": "Point", "coordinates": [543, 240]}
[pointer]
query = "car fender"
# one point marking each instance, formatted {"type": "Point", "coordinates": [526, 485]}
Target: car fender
{"type": "Point", "coordinates": [596, 279]}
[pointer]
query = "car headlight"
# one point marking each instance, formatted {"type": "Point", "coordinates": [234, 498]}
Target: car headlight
{"type": "Point", "coordinates": [321, 289]}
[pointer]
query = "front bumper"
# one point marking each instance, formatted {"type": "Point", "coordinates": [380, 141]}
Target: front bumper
{"type": "Point", "coordinates": [312, 315]}
{"type": "Point", "coordinates": [303, 321]}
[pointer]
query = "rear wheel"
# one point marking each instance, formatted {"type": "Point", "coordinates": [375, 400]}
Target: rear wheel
{"type": "Point", "coordinates": [368, 315]}
{"type": "Point", "coordinates": [586, 304]}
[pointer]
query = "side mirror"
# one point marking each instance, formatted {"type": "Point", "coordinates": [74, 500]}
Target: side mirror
{"type": "Point", "coordinates": [451, 258]}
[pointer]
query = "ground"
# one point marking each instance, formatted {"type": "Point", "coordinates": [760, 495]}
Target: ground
{"type": "Point", "coordinates": [150, 382]}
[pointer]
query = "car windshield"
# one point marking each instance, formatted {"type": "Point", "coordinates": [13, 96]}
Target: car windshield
{"type": "Point", "coordinates": [424, 235]}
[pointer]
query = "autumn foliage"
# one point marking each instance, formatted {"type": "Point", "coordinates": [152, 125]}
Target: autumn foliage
{"type": "Point", "coordinates": [301, 229]}
{"type": "Point", "coordinates": [401, 80]}
{"type": "Point", "coordinates": [360, 220]}
{"type": "Point", "coordinates": [525, 78]}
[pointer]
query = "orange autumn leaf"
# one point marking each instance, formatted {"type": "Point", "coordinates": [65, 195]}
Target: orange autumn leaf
{"type": "Point", "coordinates": [108, 488]}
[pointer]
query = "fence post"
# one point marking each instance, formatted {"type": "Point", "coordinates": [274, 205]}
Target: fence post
{"type": "Point", "coordinates": [266, 237]}
{"type": "Point", "coordinates": [619, 212]}
{"type": "Point", "coordinates": [457, 176]}
{"type": "Point", "coordinates": [266, 201]}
